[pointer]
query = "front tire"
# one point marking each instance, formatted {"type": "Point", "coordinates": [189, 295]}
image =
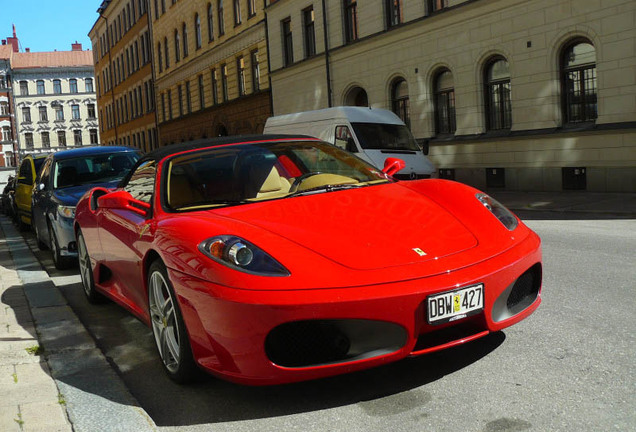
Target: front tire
{"type": "Point", "coordinates": [86, 272]}
{"type": "Point", "coordinates": [168, 327]}
{"type": "Point", "coordinates": [61, 262]}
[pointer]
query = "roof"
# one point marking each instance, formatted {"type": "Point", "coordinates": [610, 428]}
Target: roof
{"type": "Point", "coordinates": [352, 113]}
{"type": "Point", "coordinates": [90, 151]}
{"type": "Point", "coordinates": [6, 51]}
{"type": "Point", "coordinates": [51, 59]}
{"type": "Point", "coordinates": [171, 149]}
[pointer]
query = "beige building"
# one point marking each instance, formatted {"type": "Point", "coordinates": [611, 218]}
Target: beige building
{"type": "Point", "coordinates": [122, 47]}
{"type": "Point", "coordinates": [210, 62]}
{"type": "Point", "coordinates": [54, 99]}
{"type": "Point", "coordinates": [532, 95]}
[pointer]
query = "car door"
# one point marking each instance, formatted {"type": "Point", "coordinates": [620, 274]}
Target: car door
{"type": "Point", "coordinates": [23, 190]}
{"type": "Point", "coordinates": [41, 201]}
{"type": "Point", "coordinates": [125, 235]}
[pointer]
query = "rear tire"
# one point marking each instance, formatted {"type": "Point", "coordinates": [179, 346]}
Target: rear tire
{"type": "Point", "coordinates": [168, 328]}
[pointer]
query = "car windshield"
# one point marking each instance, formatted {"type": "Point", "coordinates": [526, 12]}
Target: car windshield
{"type": "Point", "coordinates": [239, 174]}
{"type": "Point", "coordinates": [382, 136]}
{"type": "Point", "coordinates": [90, 169]}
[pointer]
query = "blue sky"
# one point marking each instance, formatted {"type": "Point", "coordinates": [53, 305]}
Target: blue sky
{"type": "Point", "coordinates": [48, 25]}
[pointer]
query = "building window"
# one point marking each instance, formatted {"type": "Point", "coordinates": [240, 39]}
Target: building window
{"type": "Point", "coordinates": [210, 23]}
{"type": "Point", "coordinates": [435, 5]}
{"type": "Point", "coordinates": [40, 87]}
{"type": "Point", "coordinates": [72, 85]}
{"type": "Point", "coordinates": [215, 91]}
{"type": "Point", "coordinates": [180, 100]}
{"type": "Point", "coordinates": [163, 7]}
{"type": "Point", "coordinates": [393, 13]}
{"type": "Point", "coordinates": [170, 104]}
{"type": "Point", "coordinates": [46, 140]}
{"type": "Point", "coordinates": [91, 110]}
{"type": "Point", "coordinates": [59, 113]}
{"type": "Point", "coordinates": [497, 92]}
{"type": "Point", "coordinates": [400, 100]}
{"type": "Point", "coordinates": [61, 138]}
{"type": "Point", "coordinates": [6, 133]}
{"type": "Point", "coordinates": [177, 46]}
{"type": "Point", "coordinates": [77, 137]}
{"type": "Point", "coordinates": [88, 85]}
{"type": "Point", "coordinates": [351, 20]}
{"type": "Point", "coordinates": [219, 12]}
{"type": "Point", "coordinates": [237, 12]}
{"type": "Point", "coordinates": [93, 136]}
{"type": "Point", "coordinates": [163, 106]}
{"type": "Point", "coordinates": [24, 88]}
{"type": "Point", "coordinates": [444, 103]}
{"type": "Point", "coordinates": [309, 32]}
{"type": "Point", "coordinates": [43, 114]}
{"type": "Point", "coordinates": [578, 78]}
{"type": "Point", "coordinates": [4, 108]}
{"type": "Point", "coordinates": [201, 92]}
{"type": "Point", "coordinates": [240, 75]}
{"type": "Point", "coordinates": [26, 114]}
{"type": "Point", "coordinates": [166, 52]}
{"type": "Point", "coordinates": [288, 43]}
{"type": "Point", "coordinates": [57, 86]}
{"type": "Point", "coordinates": [75, 112]}
{"type": "Point", "coordinates": [188, 98]}
{"type": "Point", "coordinates": [224, 82]}
{"type": "Point", "coordinates": [256, 72]}
{"type": "Point", "coordinates": [184, 32]}
{"type": "Point", "coordinates": [251, 8]}
{"type": "Point", "coordinates": [159, 57]}
{"type": "Point", "coordinates": [357, 96]}
{"type": "Point", "coordinates": [197, 30]}
{"type": "Point", "coordinates": [28, 139]}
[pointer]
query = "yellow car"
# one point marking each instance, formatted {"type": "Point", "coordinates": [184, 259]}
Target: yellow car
{"type": "Point", "coordinates": [27, 172]}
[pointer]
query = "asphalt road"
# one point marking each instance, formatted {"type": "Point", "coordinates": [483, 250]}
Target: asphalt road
{"type": "Point", "coordinates": [570, 367]}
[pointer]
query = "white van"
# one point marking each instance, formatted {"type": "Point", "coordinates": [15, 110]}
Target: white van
{"type": "Point", "coordinates": [373, 134]}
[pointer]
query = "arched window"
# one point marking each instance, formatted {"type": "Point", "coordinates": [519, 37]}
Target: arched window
{"type": "Point", "coordinates": [357, 96]}
{"type": "Point", "coordinates": [219, 13]}
{"type": "Point", "coordinates": [197, 30]}
{"type": "Point", "coordinates": [578, 81]}
{"type": "Point", "coordinates": [400, 100]}
{"type": "Point", "coordinates": [177, 46]}
{"type": "Point", "coordinates": [159, 57]}
{"type": "Point", "coordinates": [210, 23]}
{"type": "Point", "coordinates": [444, 86]}
{"type": "Point", "coordinates": [497, 94]}
{"type": "Point", "coordinates": [184, 32]}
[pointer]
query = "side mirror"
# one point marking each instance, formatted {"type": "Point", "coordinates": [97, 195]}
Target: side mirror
{"type": "Point", "coordinates": [41, 187]}
{"type": "Point", "coordinates": [393, 165]}
{"type": "Point", "coordinates": [423, 143]}
{"type": "Point", "coordinates": [123, 200]}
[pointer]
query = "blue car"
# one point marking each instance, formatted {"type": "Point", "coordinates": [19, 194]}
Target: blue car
{"type": "Point", "coordinates": [64, 177]}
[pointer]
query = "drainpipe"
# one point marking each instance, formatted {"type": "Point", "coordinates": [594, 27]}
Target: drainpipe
{"type": "Point", "coordinates": [327, 66]}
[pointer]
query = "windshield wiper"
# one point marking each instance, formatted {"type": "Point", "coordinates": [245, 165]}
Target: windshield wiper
{"type": "Point", "coordinates": [326, 188]}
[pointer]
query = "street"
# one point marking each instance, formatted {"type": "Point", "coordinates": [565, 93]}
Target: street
{"type": "Point", "coordinates": [570, 366]}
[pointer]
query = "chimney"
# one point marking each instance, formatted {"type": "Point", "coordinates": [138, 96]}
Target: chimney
{"type": "Point", "coordinates": [13, 41]}
{"type": "Point", "coordinates": [27, 49]}
{"type": "Point", "coordinates": [76, 46]}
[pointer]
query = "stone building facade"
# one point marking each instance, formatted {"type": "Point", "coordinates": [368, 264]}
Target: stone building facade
{"type": "Point", "coordinates": [55, 100]}
{"type": "Point", "coordinates": [122, 48]}
{"type": "Point", "coordinates": [516, 94]}
{"type": "Point", "coordinates": [8, 141]}
{"type": "Point", "coordinates": [210, 62]}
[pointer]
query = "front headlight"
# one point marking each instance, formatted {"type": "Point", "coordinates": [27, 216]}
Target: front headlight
{"type": "Point", "coordinates": [504, 215]}
{"type": "Point", "coordinates": [66, 211]}
{"type": "Point", "coordinates": [241, 255]}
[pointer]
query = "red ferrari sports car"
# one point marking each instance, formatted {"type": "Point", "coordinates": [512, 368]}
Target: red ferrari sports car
{"type": "Point", "coordinates": [274, 259]}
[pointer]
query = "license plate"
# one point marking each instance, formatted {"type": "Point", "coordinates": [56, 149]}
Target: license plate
{"type": "Point", "coordinates": [456, 304]}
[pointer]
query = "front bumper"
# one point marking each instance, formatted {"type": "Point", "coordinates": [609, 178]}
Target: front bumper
{"type": "Point", "coordinates": [265, 337]}
{"type": "Point", "coordinates": [65, 235]}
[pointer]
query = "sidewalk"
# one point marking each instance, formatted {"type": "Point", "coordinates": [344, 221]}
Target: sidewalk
{"type": "Point", "coordinates": [53, 377]}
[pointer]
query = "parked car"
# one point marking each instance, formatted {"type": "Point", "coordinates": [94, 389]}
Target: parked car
{"type": "Point", "coordinates": [64, 178]}
{"type": "Point", "coordinates": [6, 199]}
{"type": "Point", "coordinates": [28, 170]}
{"type": "Point", "coordinates": [273, 259]}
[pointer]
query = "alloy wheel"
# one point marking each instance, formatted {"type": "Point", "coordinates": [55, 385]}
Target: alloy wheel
{"type": "Point", "coordinates": [165, 325]}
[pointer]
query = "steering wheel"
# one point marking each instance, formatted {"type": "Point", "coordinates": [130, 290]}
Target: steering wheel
{"type": "Point", "coordinates": [300, 179]}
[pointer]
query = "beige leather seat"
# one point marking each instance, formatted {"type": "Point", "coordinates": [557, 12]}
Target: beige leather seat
{"type": "Point", "coordinates": [181, 193]}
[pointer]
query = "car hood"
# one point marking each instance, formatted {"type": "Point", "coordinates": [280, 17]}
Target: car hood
{"type": "Point", "coordinates": [71, 195]}
{"type": "Point", "coordinates": [368, 228]}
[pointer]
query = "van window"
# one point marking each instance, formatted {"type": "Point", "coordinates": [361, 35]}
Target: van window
{"type": "Point", "coordinates": [26, 173]}
{"type": "Point", "coordinates": [344, 139]}
{"type": "Point", "coordinates": [381, 136]}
